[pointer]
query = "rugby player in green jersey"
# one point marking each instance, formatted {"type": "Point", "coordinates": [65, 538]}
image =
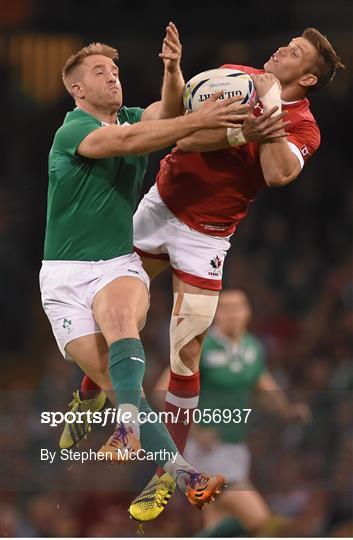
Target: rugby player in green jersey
{"type": "Point", "coordinates": [94, 289]}
{"type": "Point", "coordinates": [233, 370]}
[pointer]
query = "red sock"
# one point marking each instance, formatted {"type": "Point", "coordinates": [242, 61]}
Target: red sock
{"type": "Point", "coordinates": [88, 389]}
{"type": "Point", "coordinates": [181, 399]}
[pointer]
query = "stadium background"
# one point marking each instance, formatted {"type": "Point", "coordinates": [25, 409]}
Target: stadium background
{"type": "Point", "coordinates": [292, 254]}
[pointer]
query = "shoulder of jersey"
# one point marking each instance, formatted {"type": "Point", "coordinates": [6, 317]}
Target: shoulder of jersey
{"type": "Point", "coordinates": [300, 110]}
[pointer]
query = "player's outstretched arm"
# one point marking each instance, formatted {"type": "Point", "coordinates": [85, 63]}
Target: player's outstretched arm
{"type": "Point", "coordinates": [152, 135]}
{"type": "Point", "coordinates": [171, 103]}
{"type": "Point", "coordinates": [206, 140]}
{"type": "Point", "coordinates": [259, 129]}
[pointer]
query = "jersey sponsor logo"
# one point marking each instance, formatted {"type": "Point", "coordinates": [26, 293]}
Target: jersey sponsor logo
{"type": "Point", "coordinates": [215, 359]}
{"type": "Point", "coordinates": [216, 264]}
{"type": "Point", "coordinates": [249, 356]}
{"type": "Point", "coordinates": [304, 150]}
{"type": "Point", "coordinates": [235, 362]}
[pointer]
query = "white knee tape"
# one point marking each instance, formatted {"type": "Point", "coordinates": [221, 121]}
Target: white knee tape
{"type": "Point", "coordinates": [196, 313]}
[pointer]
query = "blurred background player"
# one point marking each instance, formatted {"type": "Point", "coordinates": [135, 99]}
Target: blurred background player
{"type": "Point", "coordinates": [234, 378]}
{"type": "Point", "coordinates": [203, 191]}
{"type": "Point", "coordinates": [233, 371]}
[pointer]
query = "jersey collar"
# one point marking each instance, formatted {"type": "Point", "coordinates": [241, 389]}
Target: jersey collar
{"type": "Point", "coordinates": [106, 123]}
{"type": "Point", "coordinates": [224, 340]}
{"type": "Point", "coordinates": [101, 123]}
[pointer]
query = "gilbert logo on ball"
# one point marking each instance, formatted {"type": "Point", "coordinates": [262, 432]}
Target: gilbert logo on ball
{"type": "Point", "coordinates": [231, 81]}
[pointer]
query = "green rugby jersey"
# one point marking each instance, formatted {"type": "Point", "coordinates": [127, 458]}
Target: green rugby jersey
{"type": "Point", "coordinates": [228, 376]}
{"type": "Point", "coordinates": [91, 202]}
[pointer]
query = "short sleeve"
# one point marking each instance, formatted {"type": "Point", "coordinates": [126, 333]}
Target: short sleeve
{"type": "Point", "coordinates": [306, 139]}
{"type": "Point", "coordinates": [71, 134]}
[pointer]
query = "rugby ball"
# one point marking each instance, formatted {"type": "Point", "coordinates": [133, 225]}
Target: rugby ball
{"type": "Point", "coordinates": [232, 81]}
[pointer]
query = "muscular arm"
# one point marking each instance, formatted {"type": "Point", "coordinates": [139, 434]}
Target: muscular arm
{"type": "Point", "coordinates": [204, 140]}
{"type": "Point", "coordinates": [152, 135]}
{"type": "Point", "coordinates": [172, 94]}
{"type": "Point", "coordinates": [279, 165]}
{"type": "Point", "coordinates": [255, 129]}
{"type": "Point", "coordinates": [135, 139]}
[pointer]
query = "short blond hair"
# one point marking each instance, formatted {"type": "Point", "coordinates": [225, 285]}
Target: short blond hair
{"type": "Point", "coordinates": [76, 59]}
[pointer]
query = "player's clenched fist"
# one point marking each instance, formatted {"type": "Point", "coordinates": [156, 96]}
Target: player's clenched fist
{"type": "Point", "coordinates": [263, 82]}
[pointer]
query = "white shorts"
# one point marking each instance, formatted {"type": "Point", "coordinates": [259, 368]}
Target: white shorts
{"type": "Point", "coordinates": [69, 287]}
{"type": "Point", "coordinates": [195, 258]}
{"type": "Point", "coordinates": [230, 459]}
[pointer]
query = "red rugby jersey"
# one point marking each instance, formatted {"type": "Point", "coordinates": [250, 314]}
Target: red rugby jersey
{"type": "Point", "coordinates": [211, 191]}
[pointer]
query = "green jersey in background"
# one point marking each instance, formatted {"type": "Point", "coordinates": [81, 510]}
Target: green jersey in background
{"type": "Point", "coordinates": [228, 376]}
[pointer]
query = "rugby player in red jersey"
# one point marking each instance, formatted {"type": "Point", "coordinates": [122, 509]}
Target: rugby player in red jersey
{"type": "Point", "coordinates": [203, 190]}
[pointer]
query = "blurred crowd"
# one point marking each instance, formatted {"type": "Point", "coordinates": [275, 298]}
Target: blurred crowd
{"type": "Point", "coordinates": [292, 254]}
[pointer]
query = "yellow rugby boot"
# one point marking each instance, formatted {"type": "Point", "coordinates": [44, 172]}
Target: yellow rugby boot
{"type": "Point", "coordinates": [153, 499]}
{"type": "Point", "coordinates": [73, 433]}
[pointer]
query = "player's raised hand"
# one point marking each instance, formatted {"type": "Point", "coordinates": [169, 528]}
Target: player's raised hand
{"type": "Point", "coordinates": [218, 112]}
{"type": "Point", "coordinates": [265, 128]}
{"type": "Point", "coordinates": [171, 49]}
{"type": "Point", "coordinates": [263, 82]}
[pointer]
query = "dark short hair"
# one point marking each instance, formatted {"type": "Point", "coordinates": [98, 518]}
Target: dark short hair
{"type": "Point", "coordinates": [327, 61]}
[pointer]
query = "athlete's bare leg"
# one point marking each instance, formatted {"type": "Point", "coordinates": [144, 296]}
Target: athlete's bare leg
{"type": "Point", "coordinates": [91, 354]}
{"type": "Point", "coordinates": [120, 308]}
{"type": "Point", "coordinates": [243, 503]}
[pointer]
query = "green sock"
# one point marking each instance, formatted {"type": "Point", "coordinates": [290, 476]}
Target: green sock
{"type": "Point", "coordinates": [156, 438]}
{"type": "Point", "coordinates": [228, 528]}
{"type": "Point", "coordinates": [126, 368]}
